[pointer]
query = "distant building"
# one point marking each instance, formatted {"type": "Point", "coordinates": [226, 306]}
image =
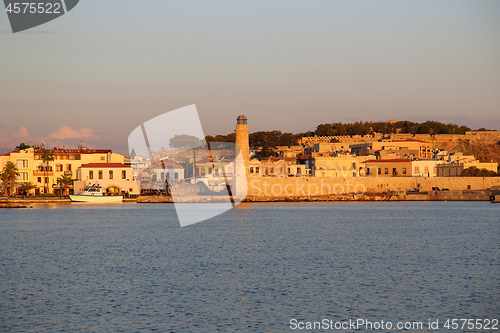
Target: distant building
{"type": "Point", "coordinates": [389, 168]}
{"type": "Point", "coordinates": [337, 166]}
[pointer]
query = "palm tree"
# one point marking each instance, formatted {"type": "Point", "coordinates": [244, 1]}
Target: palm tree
{"type": "Point", "coordinates": [28, 186]}
{"type": "Point", "coordinates": [5, 179]}
{"type": "Point", "coordinates": [47, 156]}
{"type": "Point", "coordinates": [11, 170]}
{"type": "Point", "coordinates": [66, 181]}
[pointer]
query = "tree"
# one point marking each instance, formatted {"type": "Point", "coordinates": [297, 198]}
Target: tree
{"type": "Point", "coordinates": [66, 181]}
{"type": "Point", "coordinates": [133, 154]}
{"type": "Point", "coordinates": [12, 172]}
{"type": "Point", "coordinates": [22, 146]}
{"type": "Point", "coordinates": [185, 141]}
{"type": "Point", "coordinates": [476, 172]}
{"type": "Point", "coordinates": [46, 157]}
{"type": "Point", "coordinates": [266, 152]}
{"type": "Point", "coordinates": [5, 180]}
{"type": "Point", "coordinates": [27, 186]}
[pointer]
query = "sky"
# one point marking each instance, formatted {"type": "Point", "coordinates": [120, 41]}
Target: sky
{"type": "Point", "coordinates": [106, 67]}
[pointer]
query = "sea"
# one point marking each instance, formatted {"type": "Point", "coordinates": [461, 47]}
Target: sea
{"type": "Point", "coordinates": [261, 267]}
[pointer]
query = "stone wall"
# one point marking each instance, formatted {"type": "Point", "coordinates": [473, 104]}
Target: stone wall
{"type": "Point", "coordinates": [486, 137]}
{"type": "Point", "coordinates": [312, 186]}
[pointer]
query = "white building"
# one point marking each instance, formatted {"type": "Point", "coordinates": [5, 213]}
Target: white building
{"type": "Point", "coordinates": [116, 178]}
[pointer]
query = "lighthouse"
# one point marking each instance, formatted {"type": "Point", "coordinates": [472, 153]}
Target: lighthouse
{"type": "Point", "coordinates": [243, 159]}
{"type": "Point", "coordinates": [242, 140]}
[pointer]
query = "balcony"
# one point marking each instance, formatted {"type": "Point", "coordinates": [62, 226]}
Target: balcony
{"type": "Point", "coordinates": [68, 173]}
{"type": "Point", "coordinates": [39, 173]}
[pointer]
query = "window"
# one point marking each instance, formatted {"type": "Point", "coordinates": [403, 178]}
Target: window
{"type": "Point", "coordinates": [22, 163]}
{"type": "Point", "coordinates": [162, 176]}
{"type": "Point", "coordinates": [124, 174]}
{"type": "Point", "coordinates": [386, 171]}
{"type": "Point", "coordinates": [216, 172]}
{"type": "Point", "coordinates": [110, 174]}
{"type": "Point", "coordinates": [23, 175]}
{"type": "Point", "coordinates": [176, 175]}
{"type": "Point", "coordinates": [379, 170]}
{"type": "Point", "coordinates": [251, 170]}
{"type": "Point", "coordinates": [46, 180]}
{"type": "Point", "coordinates": [103, 158]}
{"type": "Point", "coordinates": [100, 174]}
{"type": "Point", "coordinates": [394, 172]}
{"type": "Point", "coordinates": [417, 169]}
{"type": "Point", "coordinates": [39, 179]}
{"type": "Point", "coordinates": [168, 175]}
{"type": "Point", "coordinates": [91, 174]}
{"type": "Point", "coordinates": [59, 167]}
{"type": "Point", "coordinates": [154, 177]}
{"type": "Point", "coordinates": [257, 169]}
{"type": "Point", "coordinates": [68, 167]}
{"type": "Point", "coordinates": [404, 171]}
{"type": "Point", "coordinates": [426, 169]}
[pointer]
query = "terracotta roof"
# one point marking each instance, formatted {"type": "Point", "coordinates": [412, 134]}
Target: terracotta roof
{"type": "Point", "coordinates": [389, 161]}
{"type": "Point", "coordinates": [105, 165]}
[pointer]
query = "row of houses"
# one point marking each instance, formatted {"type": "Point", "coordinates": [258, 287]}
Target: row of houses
{"type": "Point", "coordinates": [85, 166]}
{"type": "Point", "coordinates": [378, 159]}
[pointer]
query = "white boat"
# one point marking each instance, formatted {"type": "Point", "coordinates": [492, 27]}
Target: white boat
{"type": "Point", "coordinates": [95, 194]}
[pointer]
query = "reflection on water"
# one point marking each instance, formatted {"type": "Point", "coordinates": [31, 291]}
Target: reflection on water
{"type": "Point", "coordinates": [130, 267]}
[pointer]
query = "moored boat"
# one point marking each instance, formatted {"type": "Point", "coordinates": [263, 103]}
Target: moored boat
{"type": "Point", "coordinates": [95, 194]}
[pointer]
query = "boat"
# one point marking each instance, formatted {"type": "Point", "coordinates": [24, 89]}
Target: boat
{"type": "Point", "coordinates": [95, 194]}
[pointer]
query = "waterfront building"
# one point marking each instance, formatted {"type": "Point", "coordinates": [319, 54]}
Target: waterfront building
{"type": "Point", "coordinates": [424, 168]}
{"type": "Point", "coordinates": [43, 175]}
{"type": "Point", "coordinates": [389, 168]}
{"type": "Point", "coordinates": [336, 166]}
{"type": "Point", "coordinates": [455, 169]}
{"type": "Point", "coordinates": [114, 178]}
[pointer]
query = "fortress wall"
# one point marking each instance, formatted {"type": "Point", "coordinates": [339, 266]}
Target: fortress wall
{"type": "Point", "coordinates": [312, 186]}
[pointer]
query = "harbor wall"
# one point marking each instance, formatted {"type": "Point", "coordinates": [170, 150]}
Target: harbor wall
{"type": "Point", "coordinates": [312, 186]}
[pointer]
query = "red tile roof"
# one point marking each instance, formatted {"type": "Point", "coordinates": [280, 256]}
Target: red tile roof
{"type": "Point", "coordinates": [105, 165]}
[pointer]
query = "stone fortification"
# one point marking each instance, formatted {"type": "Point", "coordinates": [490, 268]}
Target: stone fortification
{"type": "Point", "coordinates": [483, 137]}
{"type": "Point", "coordinates": [311, 186]}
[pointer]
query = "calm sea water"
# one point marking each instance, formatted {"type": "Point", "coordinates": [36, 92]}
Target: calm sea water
{"type": "Point", "coordinates": [130, 267]}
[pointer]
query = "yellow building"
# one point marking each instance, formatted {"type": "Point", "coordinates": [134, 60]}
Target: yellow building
{"type": "Point", "coordinates": [455, 169]}
{"type": "Point", "coordinates": [66, 161]}
{"type": "Point", "coordinates": [115, 178]}
{"type": "Point", "coordinates": [337, 166]}
{"type": "Point", "coordinates": [417, 148]}
{"type": "Point", "coordinates": [389, 168]}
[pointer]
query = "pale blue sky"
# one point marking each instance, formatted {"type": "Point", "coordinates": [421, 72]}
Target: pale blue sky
{"type": "Point", "coordinates": [287, 65]}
